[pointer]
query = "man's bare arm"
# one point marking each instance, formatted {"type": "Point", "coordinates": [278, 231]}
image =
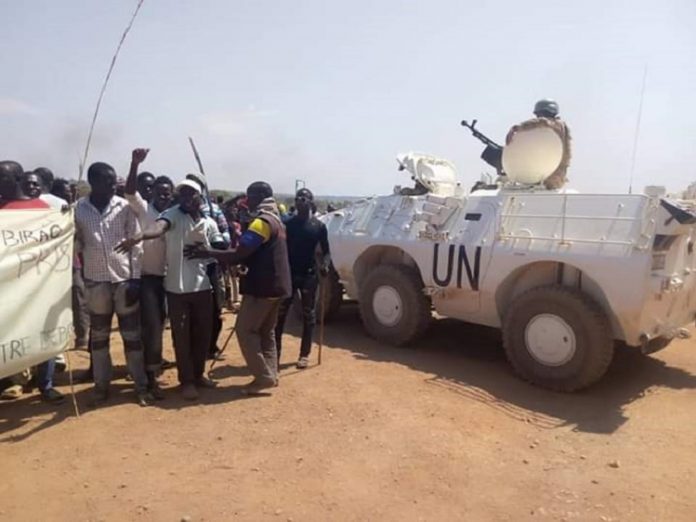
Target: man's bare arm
{"type": "Point", "coordinates": [137, 157]}
{"type": "Point", "coordinates": [153, 232]}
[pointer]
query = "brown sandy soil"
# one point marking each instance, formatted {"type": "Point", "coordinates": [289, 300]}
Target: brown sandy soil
{"type": "Point", "coordinates": [441, 431]}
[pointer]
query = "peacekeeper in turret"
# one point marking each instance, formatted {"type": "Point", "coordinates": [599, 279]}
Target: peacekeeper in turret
{"type": "Point", "coordinates": [546, 112]}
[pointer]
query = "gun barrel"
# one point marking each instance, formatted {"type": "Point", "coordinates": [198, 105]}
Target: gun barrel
{"type": "Point", "coordinates": [478, 134]}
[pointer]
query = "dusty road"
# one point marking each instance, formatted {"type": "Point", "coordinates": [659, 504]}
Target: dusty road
{"type": "Point", "coordinates": [441, 431]}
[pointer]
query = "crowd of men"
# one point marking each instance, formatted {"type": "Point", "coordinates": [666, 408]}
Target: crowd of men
{"type": "Point", "coordinates": [147, 250]}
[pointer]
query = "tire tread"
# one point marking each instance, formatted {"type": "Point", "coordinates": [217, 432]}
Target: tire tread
{"type": "Point", "coordinates": [413, 297]}
{"type": "Point", "coordinates": [599, 359]}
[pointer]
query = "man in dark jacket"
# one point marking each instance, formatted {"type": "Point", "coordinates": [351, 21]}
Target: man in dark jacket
{"type": "Point", "coordinates": [306, 234]}
{"type": "Point", "coordinates": [263, 249]}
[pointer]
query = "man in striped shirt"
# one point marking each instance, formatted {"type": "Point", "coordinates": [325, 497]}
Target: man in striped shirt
{"type": "Point", "coordinates": [112, 279]}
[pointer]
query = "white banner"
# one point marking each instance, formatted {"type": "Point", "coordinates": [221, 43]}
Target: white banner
{"type": "Point", "coordinates": [36, 250]}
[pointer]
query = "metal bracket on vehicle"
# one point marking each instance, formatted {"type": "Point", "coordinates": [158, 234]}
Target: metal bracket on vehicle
{"type": "Point", "coordinates": [431, 291]}
{"type": "Point", "coordinates": [683, 333]}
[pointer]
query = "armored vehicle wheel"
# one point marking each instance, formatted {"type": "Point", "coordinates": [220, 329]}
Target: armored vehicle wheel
{"type": "Point", "coordinates": [558, 338]}
{"type": "Point", "coordinates": [393, 307]}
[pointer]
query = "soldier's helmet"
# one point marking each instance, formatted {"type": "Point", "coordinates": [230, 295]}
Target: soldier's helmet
{"type": "Point", "coordinates": [547, 108]}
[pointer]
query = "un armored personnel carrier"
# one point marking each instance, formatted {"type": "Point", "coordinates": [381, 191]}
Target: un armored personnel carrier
{"type": "Point", "coordinates": [564, 275]}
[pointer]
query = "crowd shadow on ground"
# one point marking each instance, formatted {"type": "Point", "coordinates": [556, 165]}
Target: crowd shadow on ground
{"type": "Point", "coordinates": [22, 418]}
{"type": "Point", "coordinates": [469, 360]}
{"type": "Point", "coordinates": [460, 358]}
{"type": "Point", "coordinates": [14, 415]}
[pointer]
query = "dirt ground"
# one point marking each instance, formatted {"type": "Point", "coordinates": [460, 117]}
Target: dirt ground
{"type": "Point", "coordinates": [440, 431]}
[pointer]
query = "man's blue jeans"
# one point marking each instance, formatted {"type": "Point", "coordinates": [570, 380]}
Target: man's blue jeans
{"type": "Point", "coordinates": [44, 374]}
{"type": "Point", "coordinates": [152, 314]}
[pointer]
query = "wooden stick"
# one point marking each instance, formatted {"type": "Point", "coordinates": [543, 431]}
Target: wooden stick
{"type": "Point", "coordinates": [72, 384]}
{"type": "Point", "coordinates": [322, 299]}
{"type": "Point", "coordinates": [224, 347]}
{"type": "Point", "coordinates": [83, 161]}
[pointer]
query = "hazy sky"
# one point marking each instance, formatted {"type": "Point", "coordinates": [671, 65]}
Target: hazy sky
{"type": "Point", "coordinates": [331, 91]}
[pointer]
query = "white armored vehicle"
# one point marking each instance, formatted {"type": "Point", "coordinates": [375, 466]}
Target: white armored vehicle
{"type": "Point", "coordinates": [564, 275]}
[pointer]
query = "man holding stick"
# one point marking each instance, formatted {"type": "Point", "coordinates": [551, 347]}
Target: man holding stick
{"type": "Point", "coordinates": [263, 250]}
{"type": "Point", "coordinates": [189, 293]}
{"type": "Point", "coordinates": [306, 234]}
{"type": "Point", "coordinates": [212, 210]}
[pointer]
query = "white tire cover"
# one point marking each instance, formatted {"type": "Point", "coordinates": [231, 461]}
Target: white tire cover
{"type": "Point", "coordinates": [532, 155]}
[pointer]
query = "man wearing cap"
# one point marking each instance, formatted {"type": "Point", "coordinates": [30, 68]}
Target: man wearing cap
{"type": "Point", "coordinates": [305, 234]}
{"type": "Point", "coordinates": [546, 115]}
{"type": "Point", "coordinates": [189, 293]}
{"type": "Point", "coordinates": [263, 249]}
{"type": "Point", "coordinates": [211, 209]}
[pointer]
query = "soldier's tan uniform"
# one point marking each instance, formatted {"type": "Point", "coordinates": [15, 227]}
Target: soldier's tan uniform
{"type": "Point", "coordinates": [558, 178]}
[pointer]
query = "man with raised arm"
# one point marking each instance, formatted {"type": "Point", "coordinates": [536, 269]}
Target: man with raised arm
{"type": "Point", "coordinates": [152, 294]}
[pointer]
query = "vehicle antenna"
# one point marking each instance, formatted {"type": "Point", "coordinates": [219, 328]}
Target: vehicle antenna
{"type": "Point", "coordinates": [637, 133]}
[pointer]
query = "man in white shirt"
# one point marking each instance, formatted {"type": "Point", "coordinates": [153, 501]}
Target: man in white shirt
{"type": "Point", "coordinates": [46, 176]}
{"type": "Point", "coordinates": [112, 279]}
{"type": "Point", "coordinates": [189, 292]}
{"type": "Point", "coordinates": [152, 294]}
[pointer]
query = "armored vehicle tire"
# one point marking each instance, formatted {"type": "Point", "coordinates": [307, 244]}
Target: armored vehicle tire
{"type": "Point", "coordinates": [558, 338]}
{"type": "Point", "coordinates": [393, 307]}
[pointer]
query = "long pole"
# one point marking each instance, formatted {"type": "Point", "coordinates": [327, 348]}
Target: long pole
{"type": "Point", "coordinates": [322, 300]}
{"type": "Point", "coordinates": [200, 167]}
{"type": "Point", "coordinates": [224, 347]}
{"type": "Point", "coordinates": [637, 133]}
{"type": "Point", "coordinates": [197, 156]}
{"type": "Point", "coordinates": [83, 161]}
{"type": "Point", "coordinates": [72, 384]}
